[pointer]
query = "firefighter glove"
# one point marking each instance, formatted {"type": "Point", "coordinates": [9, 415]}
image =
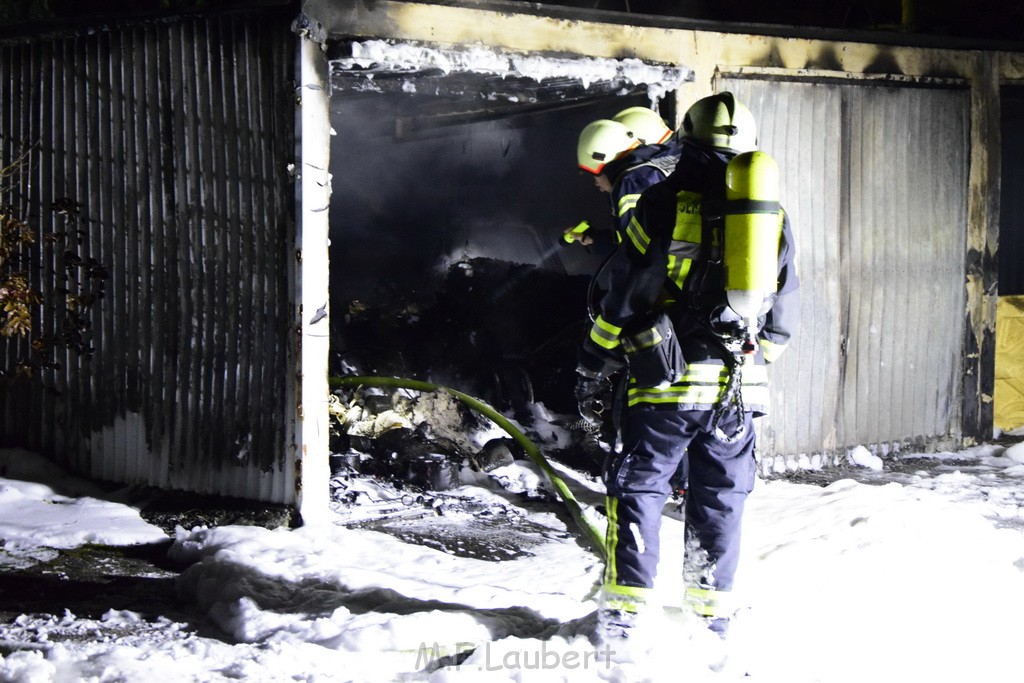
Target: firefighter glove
{"type": "Point", "coordinates": [593, 361]}
{"type": "Point", "coordinates": [588, 398]}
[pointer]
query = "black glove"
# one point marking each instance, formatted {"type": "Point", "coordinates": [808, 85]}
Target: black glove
{"type": "Point", "coordinates": [593, 361]}
{"type": "Point", "coordinates": [588, 391]}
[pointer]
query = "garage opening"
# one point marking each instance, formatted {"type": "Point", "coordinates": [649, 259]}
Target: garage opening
{"type": "Point", "coordinates": [453, 176]}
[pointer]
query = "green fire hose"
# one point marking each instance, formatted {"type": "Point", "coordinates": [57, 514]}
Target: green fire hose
{"type": "Point", "coordinates": [592, 535]}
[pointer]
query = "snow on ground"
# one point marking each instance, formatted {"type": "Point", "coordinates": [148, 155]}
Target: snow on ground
{"type": "Point", "coordinates": [918, 578]}
{"type": "Point", "coordinates": [35, 518]}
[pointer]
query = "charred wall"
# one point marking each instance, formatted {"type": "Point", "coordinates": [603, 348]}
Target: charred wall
{"type": "Point", "coordinates": [171, 138]}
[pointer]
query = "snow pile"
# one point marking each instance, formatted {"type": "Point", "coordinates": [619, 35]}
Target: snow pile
{"type": "Point", "coordinates": [34, 518]}
{"type": "Point", "coordinates": [878, 582]}
{"type": "Point", "coordinates": [123, 646]}
{"type": "Point", "coordinates": [848, 582]}
{"type": "Point", "coordinates": [26, 508]}
{"type": "Point", "coordinates": [862, 457]}
{"type": "Point", "coordinates": [985, 479]}
{"type": "Point", "coordinates": [284, 568]}
{"type": "Point", "coordinates": [1015, 453]}
{"type": "Point", "coordinates": [361, 591]}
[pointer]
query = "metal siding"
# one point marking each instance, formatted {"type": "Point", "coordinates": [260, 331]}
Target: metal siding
{"type": "Point", "coordinates": [175, 136]}
{"type": "Point", "coordinates": [907, 149]}
{"type": "Point", "coordinates": [875, 180]}
{"type": "Point", "coordinates": [798, 126]}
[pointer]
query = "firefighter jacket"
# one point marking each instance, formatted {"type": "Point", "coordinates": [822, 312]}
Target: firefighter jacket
{"type": "Point", "coordinates": [672, 250]}
{"type": "Point", "coordinates": [631, 175]}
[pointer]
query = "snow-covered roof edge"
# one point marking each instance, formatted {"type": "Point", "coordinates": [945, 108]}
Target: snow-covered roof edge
{"type": "Point", "coordinates": [403, 57]}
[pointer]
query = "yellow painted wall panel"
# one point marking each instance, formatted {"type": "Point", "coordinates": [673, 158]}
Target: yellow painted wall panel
{"type": "Point", "coordinates": [1009, 371]}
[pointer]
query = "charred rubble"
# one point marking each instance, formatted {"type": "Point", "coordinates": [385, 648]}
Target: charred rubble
{"type": "Point", "coordinates": [506, 333]}
{"type": "Point", "coordinates": [502, 332]}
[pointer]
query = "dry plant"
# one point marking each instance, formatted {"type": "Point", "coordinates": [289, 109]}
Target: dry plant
{"type": "Point", "coordinates": [45, 284]}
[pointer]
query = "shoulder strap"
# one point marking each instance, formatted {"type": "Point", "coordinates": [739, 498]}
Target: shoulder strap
{"type": "Point", "coordinates": [703, 286]}
{"type": "Point", "coordinates": [664, 164]}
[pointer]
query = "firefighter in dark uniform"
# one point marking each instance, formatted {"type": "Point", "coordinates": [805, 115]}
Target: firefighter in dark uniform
{"type": "Point", "coordinates": [695, 345]}
{"type": "Point", "coordinates": [625, 154]}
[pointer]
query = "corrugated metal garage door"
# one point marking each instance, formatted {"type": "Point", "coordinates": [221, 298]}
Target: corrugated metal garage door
{"type": "Point", "coordinates": [174, 136]}
{"type": "Point", "coordinates": [875, 179]}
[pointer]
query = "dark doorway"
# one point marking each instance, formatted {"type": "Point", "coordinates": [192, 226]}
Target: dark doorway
{"type": "Point", "coordinates": [447, 262]}
{"type": "Point", "coordinates": [1011, 207]}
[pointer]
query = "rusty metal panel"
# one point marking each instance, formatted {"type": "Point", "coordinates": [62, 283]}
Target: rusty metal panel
{"type": "Point", "coordinates": [875, 180]}
{"type": "Point", "coordinates": [174, 136]}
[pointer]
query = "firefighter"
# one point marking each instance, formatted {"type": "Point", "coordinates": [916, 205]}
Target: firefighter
{"type": "Point", "coordinates": [695, 351]}
{"type": "Point", "coordinates": [625, 154]}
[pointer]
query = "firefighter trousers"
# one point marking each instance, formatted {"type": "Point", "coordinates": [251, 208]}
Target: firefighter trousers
{"type": "Point", "coordinates": [721, 475]}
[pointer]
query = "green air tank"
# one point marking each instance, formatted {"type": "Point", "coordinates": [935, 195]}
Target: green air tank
{"type": "Point", "coordinates": [753, 226]}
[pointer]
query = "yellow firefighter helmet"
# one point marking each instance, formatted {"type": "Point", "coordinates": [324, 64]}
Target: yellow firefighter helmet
{"type": "Point", "coordinates": [645, 124]}
{"type": "Point", "coordinates": [601, 142]}
{"type": "Point", "coordinates": [720, 122]}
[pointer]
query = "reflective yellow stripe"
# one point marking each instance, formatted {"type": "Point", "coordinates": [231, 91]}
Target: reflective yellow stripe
{"type": "Point", "coordinates": [707, 602]}
{"type": "Point", "coordinates": [638, 236]}
{"type": "Point", "coordinates": [751, 374]}
{"type": "Point", "coordinates": [705, 372]}
{"type": "Point", "coordinates": [771, 350]}
{"type": "Point", "coordinates": [624, 598]}
{"type": "Point", "coordinates": [692, 394]}
{"type": "Point", "coordinates": [642, 340]}
{"type": "Point", "coordinates": [604, 334]}
{"type": "Point", "coordinates": [701, 377]}
{"type": "Point", "coordinates": [701, 394]}
{"type": "Point", "coordinates": [678, 269]}
{"type": "Point", "coordinates": [607, 326]}
{"type": "Point", "coordinates": [703, 384]}
{"type": "Point", "coordinates": [611, 540]}
{"type": "Point", "coordinates": [598, 337]}
{"type": "Point", "coordinates": [638, 592]}
{"type": "Point", "coordinates": [683, 248]}
{"type": "Point", "coordinates": [627, 203]}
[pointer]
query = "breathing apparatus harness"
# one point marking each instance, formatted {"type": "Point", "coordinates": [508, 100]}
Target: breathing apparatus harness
{"type": "Point", "coordinates": [726, 291]}
{"type": "Point", "coordinates": [704, 304]}
{"type": "Point", "coordinates": [707, 307]}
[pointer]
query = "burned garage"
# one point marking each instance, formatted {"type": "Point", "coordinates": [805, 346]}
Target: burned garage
{"type": "Point", "coordinates": [404, 175]}
{"type": "Point", "coordinates": [450, 195]}
{"type": "Point", "coordinates": [387, 340]}
{"type": "Point", "coordinates": [471, 147]}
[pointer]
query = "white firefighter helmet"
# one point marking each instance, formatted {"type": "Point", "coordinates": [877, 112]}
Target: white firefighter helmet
{"type": "Point", "coordinates": [601, 142]}
{"type": "Point", "coordinates": [721, 122]}
{"type": "Point", "coordinates": [645, 124]}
